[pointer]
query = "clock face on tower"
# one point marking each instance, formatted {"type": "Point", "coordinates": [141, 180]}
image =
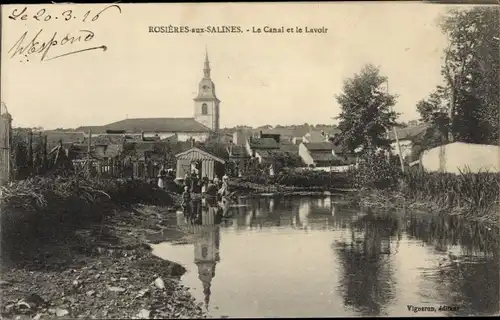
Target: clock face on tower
{"type": "Point", "coordinates": [205, 87]}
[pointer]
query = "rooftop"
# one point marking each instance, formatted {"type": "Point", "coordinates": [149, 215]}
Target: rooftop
{"type": "Point", "coordinates": [150, 125]}
{"type": "Point", "coordinates": [409, 133]}
{"type": "Point", "coordinates": [263, 143]}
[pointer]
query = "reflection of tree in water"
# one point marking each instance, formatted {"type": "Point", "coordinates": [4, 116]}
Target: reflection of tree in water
{"type": "Point", "coordinates": [471, 285]}
{"type": "Point", "coordinates": [470, 281]}
{"type": "Point", "coordinates": [444, 230]}
{"type": "Point", "coordinates": [368, 282]}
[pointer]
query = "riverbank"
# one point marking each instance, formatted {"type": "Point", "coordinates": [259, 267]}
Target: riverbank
{"type": "Point", "coordinates": [296, 184]}
{"type": "Point", "coordinates": [88, 262]}
{"type": "Point", "coordinates": [473, 197]}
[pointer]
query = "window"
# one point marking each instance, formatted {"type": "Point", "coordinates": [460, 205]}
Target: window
{"type": "Point", "coordinates": [204, 109]}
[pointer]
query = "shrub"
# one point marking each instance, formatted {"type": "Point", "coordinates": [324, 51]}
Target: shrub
{"type": "Point", "coordinates": [302, 179]}
{"type": "Point", "coordinates": [375, 172]}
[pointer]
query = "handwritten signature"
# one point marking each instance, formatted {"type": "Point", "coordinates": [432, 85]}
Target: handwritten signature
{"type": "Point", "coordinates": [35, 46]}
{"type": "Point", "coordinates": [43, 42]}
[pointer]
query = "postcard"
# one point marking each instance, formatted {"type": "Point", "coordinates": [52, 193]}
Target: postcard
{"type": "Point", "coordinates": [239, 160]}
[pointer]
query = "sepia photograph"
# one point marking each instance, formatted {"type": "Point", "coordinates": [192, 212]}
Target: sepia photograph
{"type": "Point", "coordinates": [249, 160]}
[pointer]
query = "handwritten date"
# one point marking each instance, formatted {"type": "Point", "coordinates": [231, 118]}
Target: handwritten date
{"type": "Point", "coordinates": [37, 46]}
{"type": "Point", "coordinates": [43, 15]}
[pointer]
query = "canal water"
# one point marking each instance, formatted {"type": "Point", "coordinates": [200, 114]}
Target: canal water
{"type": "Point", "coordinates": [317, 257]}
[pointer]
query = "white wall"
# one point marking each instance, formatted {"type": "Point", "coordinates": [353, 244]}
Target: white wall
{"type": "Point", "coordinates": [458, 155]}
{"type": "Point", "coordinates": [305, 155]}
{"type": "Point", "coordinates": [327, 169]}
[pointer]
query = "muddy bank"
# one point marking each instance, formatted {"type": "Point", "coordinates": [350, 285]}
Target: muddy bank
{"type": "Point", "coordinates": [98, 270]}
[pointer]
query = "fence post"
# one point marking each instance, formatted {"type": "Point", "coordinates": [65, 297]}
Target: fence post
{"type": "Point", "coordinates": [89, 148]}
{"type": "Point", "coordinates": [45, 160]}
{"type": "Point", "coordinates": [99, 168]}
{"type": "Point", "coordinates": [5, 146]}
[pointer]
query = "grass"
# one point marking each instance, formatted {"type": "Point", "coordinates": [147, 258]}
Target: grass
{"type": "Point", "coordinates": [289, 180]}
{"type": "Point", "coordinates": [41, 207]}
{"type": "Point", "coordinates": [474, 196]}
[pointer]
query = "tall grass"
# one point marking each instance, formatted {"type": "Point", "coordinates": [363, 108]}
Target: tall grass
{"type": "Point", "coordinates": [70, 200]}
{"type": "Point", "coordinates": [301, 180]}
{"type": "Point", "coordinates": [470, 194]}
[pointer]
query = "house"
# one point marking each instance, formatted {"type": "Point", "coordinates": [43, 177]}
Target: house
{"type": "Point", "coordinates": [259, 147]}
{"type": "Point", "coordinates": [314, 137]}
{"type": "Point", "coordinates": [297, 140]}
{"type": "Point", "coordinates": [184, 128]}
{"type": "Point", "coordinates": [408, 137]}
{"type": "Point", "coordinates": [320, 154]}
{"type": "Point", "coordinates": [240, 137]}
{"type": "Point", "coordinates": [225, 138]}
{"type": "Point", "coordinates": [206, 163]}
{"type": "Point", "coordinates": [67, 138]}
{"type": "Point", "coordinates": [200, 127]}
{"type": "Point", "coordinates": [107, 151]}
{"type": "Point", "coordinates": [238, 155]}
{"type": "Point", "coordinates": [284, 134]}
{"type": "Point", "coordinates": [289, 147]}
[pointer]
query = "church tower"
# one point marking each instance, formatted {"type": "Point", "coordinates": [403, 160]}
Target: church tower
{"type": "Point", "coordinates": [206, 250]}
{"type": "Point", "coordinates": [206, 104]}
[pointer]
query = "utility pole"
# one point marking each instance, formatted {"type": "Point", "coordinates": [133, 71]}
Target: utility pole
{"type": "Point", "coordinates": [396, 137]}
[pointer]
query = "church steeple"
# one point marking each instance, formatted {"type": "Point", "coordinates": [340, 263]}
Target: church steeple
{"type": "Point", "coordinates": [206, 104]}
{"type": "Point", "coordinates": [206, 68]}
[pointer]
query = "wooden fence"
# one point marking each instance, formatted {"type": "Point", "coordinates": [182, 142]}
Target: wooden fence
{"type": "Point", "coordinates": [5, 138]}
{"type": "Point", "coordinates": [115, 168]}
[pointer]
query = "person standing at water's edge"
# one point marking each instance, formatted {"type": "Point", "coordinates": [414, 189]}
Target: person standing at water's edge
{"type": "Point", "coordinates": [161, 177]}
{"type": "Point", "coordinates": [186, 199]}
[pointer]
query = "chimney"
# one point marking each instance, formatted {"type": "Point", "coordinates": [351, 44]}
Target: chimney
{"type": "Point", "coordinates": [261, 133]}
{"type": "Point", "coordinates": [142, 135]}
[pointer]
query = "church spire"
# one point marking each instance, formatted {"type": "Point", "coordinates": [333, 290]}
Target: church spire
{"type": "Point", "coordinates": [206, 69]}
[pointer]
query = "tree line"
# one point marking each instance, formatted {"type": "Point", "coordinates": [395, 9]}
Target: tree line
{"type": "Point", "coordinates": [465, 108]}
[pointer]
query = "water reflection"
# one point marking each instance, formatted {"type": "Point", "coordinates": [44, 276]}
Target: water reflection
{"type": "Point", "coordinates": [203, 222]}
{"type": "Point", "coordinates": [351, 262]}
{"type": "Point", "coordinates": [367, 280]}
{"type": "Point", "coordinates": [468, 272]}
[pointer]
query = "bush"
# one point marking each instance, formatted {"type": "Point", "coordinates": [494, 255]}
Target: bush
{"type": "Point", "coordinates": [303, 179]}
{"type": "Point", "coordinates": [375, 172]}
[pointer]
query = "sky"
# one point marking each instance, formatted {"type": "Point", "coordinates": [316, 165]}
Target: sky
{"type": "Point", "coordinates": [260, 78]}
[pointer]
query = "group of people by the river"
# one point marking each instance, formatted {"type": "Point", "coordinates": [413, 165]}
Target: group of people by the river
{"type": "Point", "coordinates": [216, 190]}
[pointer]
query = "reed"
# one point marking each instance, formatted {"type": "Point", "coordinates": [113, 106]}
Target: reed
{"type": "Point", "coordinates": [51, 194]}
{"type": "Point", "coordinates": [474, 196]}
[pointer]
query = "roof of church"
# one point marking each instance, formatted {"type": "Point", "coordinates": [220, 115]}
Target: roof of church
{"type": "Point", "coordinates": [152, 125]}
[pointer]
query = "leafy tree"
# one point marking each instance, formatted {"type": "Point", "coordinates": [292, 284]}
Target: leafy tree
{"type": "Point", "coordinates": [471, 73]}
{"type": "Point", "coordinates": [366, 114]}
